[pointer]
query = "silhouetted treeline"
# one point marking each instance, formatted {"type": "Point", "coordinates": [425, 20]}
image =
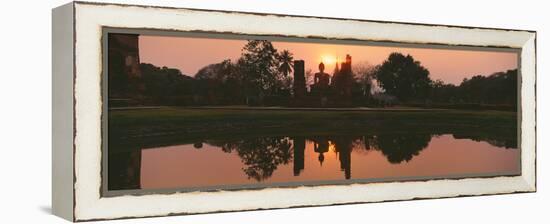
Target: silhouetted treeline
{"type": "Point", "coordinates": [261, 77]}
{"type": "Point", "coordinates": [410, 83]}
{"type": "Point", "coordinates": [166, 85]}
{"type": "Point", "coordinates": [497, 89]}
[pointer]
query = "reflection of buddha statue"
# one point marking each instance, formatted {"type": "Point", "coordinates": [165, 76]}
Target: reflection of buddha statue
{"type": "Point", "coordinates": [321, 147]}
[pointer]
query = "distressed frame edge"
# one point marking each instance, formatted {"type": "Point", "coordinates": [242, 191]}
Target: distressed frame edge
{"type": "Point", "coordinates": [289, 185]}
{"type": "Point", "coordinates": [62, 186]}
{"type": "Point", "coordinates": [530, 182]}
{"type": "Point", "coordinates": [528, 112]}
{"type": "Point", "coordinates": [297, 16]}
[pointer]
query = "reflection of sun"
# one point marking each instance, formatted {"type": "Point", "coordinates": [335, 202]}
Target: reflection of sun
{"type": "Point", "coordinates": [328, 59]}
{"type": "Point", "coordinates": [331, 147]}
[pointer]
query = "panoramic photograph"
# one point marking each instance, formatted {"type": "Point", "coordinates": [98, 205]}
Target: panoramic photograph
{"type": "Point", "coordinates": [208, 112]}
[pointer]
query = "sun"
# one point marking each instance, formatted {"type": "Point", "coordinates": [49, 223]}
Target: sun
{"type": "Point", "coordinates": [328, 59]}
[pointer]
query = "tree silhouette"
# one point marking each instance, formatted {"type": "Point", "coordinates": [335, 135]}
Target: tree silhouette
{"type": "Point", "coordinates": [498, 88]}
{"type": "Point", "coordinates": [444, 93]}
{"type": "Point", "coordinates": [220, 82]}
{"type": "Point", "coordinates": [260, 65]}
{"type": "Point", "coordinates": [286, 61]}
{"type": "Point", "coordinates": [310, 77]}
{"type": "Point", "coordinates": [218, 71]}
{"type": "Point", "coordinates": [404, 77]}
{"type": "Point", "coordinates": [164, 85]}
{"type": "Point", "coordinates": [365, 75]}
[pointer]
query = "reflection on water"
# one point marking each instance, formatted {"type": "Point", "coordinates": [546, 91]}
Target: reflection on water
{"type": "Point", "coordinates": [290, 159]}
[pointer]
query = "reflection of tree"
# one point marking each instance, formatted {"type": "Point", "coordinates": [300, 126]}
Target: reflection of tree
{"type": "Point", "coordinates": [261, 156]}
{"type": "Point", "coordinates": [508, 143]}
{"type": "Point", "coordinates": [400, 147]}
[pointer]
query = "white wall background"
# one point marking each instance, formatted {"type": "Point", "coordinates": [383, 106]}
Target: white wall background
{"type": "Point", "coordinates": [25, 112]}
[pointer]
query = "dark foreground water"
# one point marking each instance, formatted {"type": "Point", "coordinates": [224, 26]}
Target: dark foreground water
{"type": "Point", "coordinates": [295, 160]}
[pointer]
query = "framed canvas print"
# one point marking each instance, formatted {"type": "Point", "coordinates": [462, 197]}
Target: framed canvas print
{"type": "Point", "coordinates": [168, 111]}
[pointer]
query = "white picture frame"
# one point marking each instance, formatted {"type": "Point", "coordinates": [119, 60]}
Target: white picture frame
{"type": "Point", "coordinates": [77, 110]}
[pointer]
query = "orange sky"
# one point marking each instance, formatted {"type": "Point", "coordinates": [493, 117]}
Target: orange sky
{"type": "Point", "coordinates": [451, 66]}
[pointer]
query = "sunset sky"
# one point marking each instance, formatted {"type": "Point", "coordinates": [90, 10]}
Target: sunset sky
{"type": "Point", "coordinates": [191, 54]}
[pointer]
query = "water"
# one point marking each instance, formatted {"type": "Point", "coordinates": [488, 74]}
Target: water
{"type": "Point", "coordinates": [296, 160]}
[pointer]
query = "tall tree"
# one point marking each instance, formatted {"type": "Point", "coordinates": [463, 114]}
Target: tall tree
{"type": "Point", "coordinates": [286, 61]}
{"type": "Point", "coordinates": [310, 77]}
{"type": "Point", "coordinates": [364, 74]}
{"type": "Point", "coordinates": [403, 77]}
{"type": "Point", "coordinates": [259, 64]}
